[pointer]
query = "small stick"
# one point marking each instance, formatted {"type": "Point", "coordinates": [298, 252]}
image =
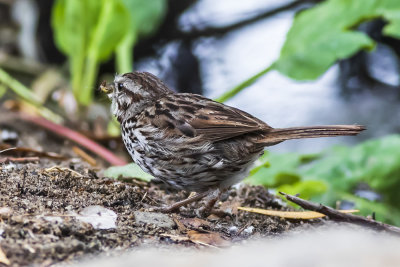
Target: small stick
{"type": "Point", "coordinates": [28, 150]}
{"type": "Point", "coordinates": [85, 156]}
{"type": "Point", "coordinates": [7, 149]}
{"type": "Point", "coordinates": [342, 217]}
{"type": "Point", "coordinates": [19, 160]}
{"type": "Point", "coordinates": [61, 169]}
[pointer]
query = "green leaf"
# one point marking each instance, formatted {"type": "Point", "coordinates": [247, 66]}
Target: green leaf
{"type": "Point", "coordinates": [128, 171]}
{"type": "Point", "coordinates": [326, 33]}
{"type": "Point", "coordinates": [283, 170]}
{"type": "Point", "coordinates": [145, 17]}
{"type": "Point", "coordinates": [88, 32]}
{"type": "Point", "coordinates": [393, 28]}
{"type": "Point", "coordinates": [306, 189]}
{"type": "Point", "coordinates": [335, 174]}
{"type": "Point", "coordinates": [112, 26]}
{"type": "Point", "coordinates": [383, 211]}
{"type": "Point", "coordinates": [376, 162]}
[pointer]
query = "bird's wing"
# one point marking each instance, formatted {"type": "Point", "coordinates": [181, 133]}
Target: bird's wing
{"type": "Point", "coordinates": [194, 115]}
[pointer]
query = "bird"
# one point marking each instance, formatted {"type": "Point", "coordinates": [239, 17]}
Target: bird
{"type": "Point", "coordinates": [191, 142]}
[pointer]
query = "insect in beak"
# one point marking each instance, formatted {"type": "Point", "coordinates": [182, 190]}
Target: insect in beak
{"type": "Point", "coordinates": [106, 88]}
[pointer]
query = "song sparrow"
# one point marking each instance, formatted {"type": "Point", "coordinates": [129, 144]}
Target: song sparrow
{"type": "Point", "coordinates": [191, 142]}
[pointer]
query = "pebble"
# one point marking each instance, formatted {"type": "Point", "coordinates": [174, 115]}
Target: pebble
{"type": "Point", "coordinates": [155, 218]}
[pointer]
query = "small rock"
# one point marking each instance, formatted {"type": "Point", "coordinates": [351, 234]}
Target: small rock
{"type": "Point", "coordinates": [99, 217]}
{"type": "Point", "coordinates": [233, 230]}
{"type": "Point", "coordinates": [249, 230]}
{"type": "Point", "coordinates": [155, 218]}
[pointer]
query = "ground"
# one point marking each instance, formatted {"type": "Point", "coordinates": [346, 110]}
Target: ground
{"type": "Point", "coordinates": [55, 210]}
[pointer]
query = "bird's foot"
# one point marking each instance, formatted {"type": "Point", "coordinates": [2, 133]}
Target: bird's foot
{"type": "Point", "coordinates": [211, 199]}
{"type": "Point", "coordinates": [176, 206]}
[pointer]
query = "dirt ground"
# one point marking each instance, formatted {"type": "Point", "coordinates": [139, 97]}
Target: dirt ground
{"type": "Point", "coordinates": [62, 210]}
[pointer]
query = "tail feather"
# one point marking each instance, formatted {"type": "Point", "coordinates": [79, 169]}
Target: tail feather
{"type": "Point", "coordinates": [279, 135]}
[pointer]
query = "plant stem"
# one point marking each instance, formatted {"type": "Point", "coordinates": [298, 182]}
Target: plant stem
{"type": "Point", "coordinates": [77, 138]}
{"type": "Point", "coordinates": [231, 93]}
{"type": "Point", "coordinates": [76, 70]}
{"type": "Point", "coordinates": [28, 97]}
{"type": "Point", "coordinates": [86, 94]}
{"type": "Point", "coordinates": [124, 53]}
{"type": "Point", "coordinates": [20, 89]}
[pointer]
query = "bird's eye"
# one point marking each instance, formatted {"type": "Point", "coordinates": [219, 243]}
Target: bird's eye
{"type": "Point", "coordinates": [120, 86]}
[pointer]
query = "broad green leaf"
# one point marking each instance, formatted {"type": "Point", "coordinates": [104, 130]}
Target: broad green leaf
{"type": "Point", "coordinates": [326, 33]}
{"type": "Point", "coordinates": [71, 23]}
{"type": "Point", "coordinates": [146, 15]}
{"type": "Point", "coordinates": [393, 28]}
{"type": "Point", "coordinates": [335, 174]}
{"type": "Point", "coordinates": [88, 32]}
{"type": "Point", "coordinates": [283, 170]}
{"type": "Point", "coordinates": [128, 171]}
{"type": "Point", "coordinates": [376, 162]}
{"type": "Point", "coordinates": [112, 26]}
{"type": "Point", "coordinates": [306, 189]}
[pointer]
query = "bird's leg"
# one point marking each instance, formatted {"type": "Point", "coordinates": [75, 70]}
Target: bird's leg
{"type": "Point", "coordinates": [177, 205]}
{"type": "Point", "coordinates": [212, 197]}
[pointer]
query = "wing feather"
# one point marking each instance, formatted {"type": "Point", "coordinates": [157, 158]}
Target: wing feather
{"type": "Point", "coordinates": [213, 120]}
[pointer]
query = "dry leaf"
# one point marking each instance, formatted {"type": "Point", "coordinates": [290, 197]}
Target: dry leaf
{"type": "Point", "coordinates": [301, 215]}
{"type": "Point", "coordinates": [230, 207]}
{"type": "Point", "coordinates": [3, 258]}
{"type": "Point", "coordinates": [208, 239]}
{"type": "Point", "coordinates": [181, 227]}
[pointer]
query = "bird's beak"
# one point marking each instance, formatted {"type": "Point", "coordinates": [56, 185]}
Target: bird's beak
{"type": "Point", "coordinates": [106, 88]}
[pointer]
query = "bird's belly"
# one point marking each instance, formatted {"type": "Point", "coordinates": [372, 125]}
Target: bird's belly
{"type": "Point", "coordinates": [189, 169]}
{"type": "Point", "coordinates": [191, 174]}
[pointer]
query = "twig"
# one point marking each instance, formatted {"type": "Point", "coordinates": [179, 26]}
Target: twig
{"type": "Point", "coordinates": [61, 169]}
{"type": "Point", "coordinates": [19, 160]}
{"type": "Point", "coordinates": [7, 149]}
{"type": "Point", "coordinates": [243, 227]}
{"type": "Point", "coordinates": [342, 217]}
{"type": "Point", "coordinates": [31, 152]}
{"type": "Point", "coordinates": [85, 156]}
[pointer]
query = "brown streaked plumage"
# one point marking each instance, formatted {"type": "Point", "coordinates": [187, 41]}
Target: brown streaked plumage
{"type": "Point", "coordinates": [191, 142]}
